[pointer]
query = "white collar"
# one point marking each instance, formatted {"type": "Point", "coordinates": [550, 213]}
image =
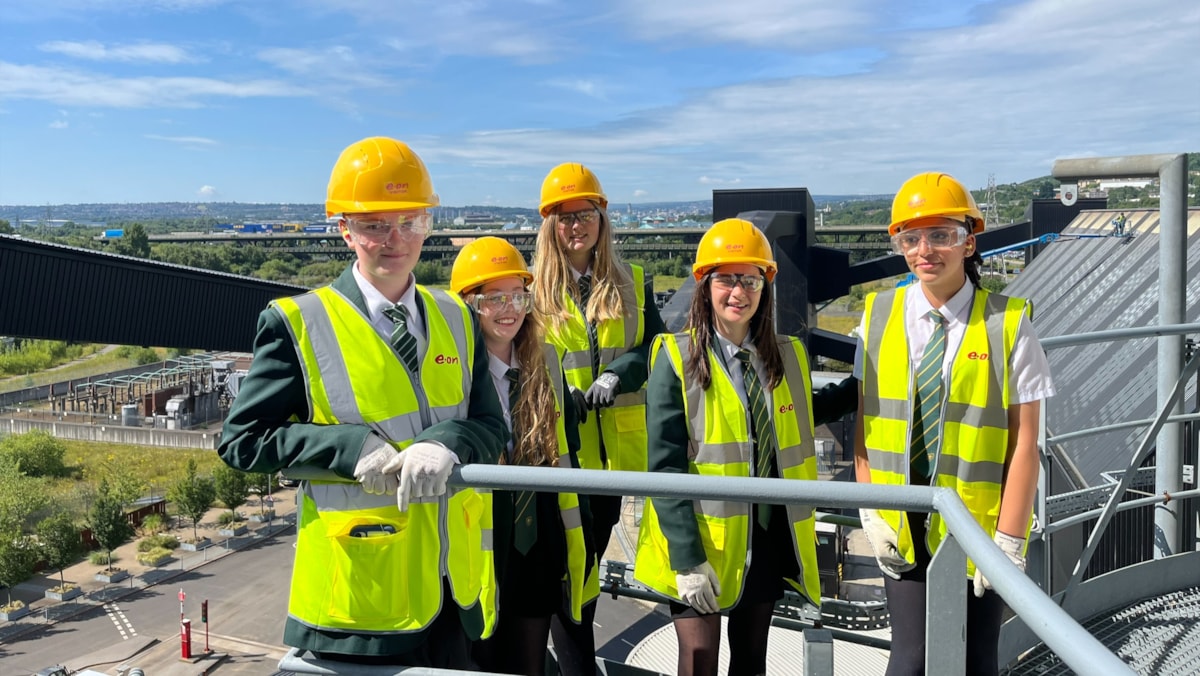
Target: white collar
{"type": "Point", "coordinates": [375, 300]}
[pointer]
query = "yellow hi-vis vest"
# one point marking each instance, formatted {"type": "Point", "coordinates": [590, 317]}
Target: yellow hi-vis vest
{"type": "Point", "coordinates": [583, 580]}
{"type": "Point", "coordinates": [388, 582]}
{"type": "Point", "coordinates": [623, 425]}
{"type": "Point", "coordinates": [974, 420]}
{"type": "Point", "coordinates": [720, 445]}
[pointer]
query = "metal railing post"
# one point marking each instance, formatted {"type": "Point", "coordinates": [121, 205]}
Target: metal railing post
{"type": "Point", "coordinates": [946, 610]}
{"type": "Point", "coordinates": [1171, 171]}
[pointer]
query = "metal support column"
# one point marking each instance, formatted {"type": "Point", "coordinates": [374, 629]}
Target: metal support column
{"type": "Point", "coordinates": [1172, 281]}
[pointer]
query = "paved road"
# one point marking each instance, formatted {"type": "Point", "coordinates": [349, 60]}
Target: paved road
{"type": "Point", "coordinates": [247, 594]}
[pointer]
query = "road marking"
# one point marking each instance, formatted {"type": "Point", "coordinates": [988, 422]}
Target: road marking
{"type": "Point", "coordinates": [120, 621]}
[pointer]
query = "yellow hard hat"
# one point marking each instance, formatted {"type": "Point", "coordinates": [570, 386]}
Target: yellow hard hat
{"type": "Point", "coordinates": [732, 241]}
{"type": "Point", "coordinates": [570, 181]}
{"type": "Point", "coordinates": [485, 259]}
{"type": "Point", "coordinates": [378, 174]}
{"type": "Point", "coordinates": [930, 195]}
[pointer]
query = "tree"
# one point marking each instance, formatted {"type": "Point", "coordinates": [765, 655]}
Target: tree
{"type": "Point", "coordinates": [263, 483]}
{"type": "Point", "coordinates": [37, 453]}
{"type": "Point", "coordinates": [58, 538]}
{"type": "Point", "coordinates": [136, 242]}
{"type": "Point", "coordinates": [21, 497]}
{"type": "Point", "coordinates": [232, 487]}
{"type": "Point", "coordinates": [18, 556]}
{"type": "Point", "coordinates": [5, 227]}
{"type": "Point", "coordinates": [193, 495]}
{"type": "Point", "coordinates": [106, 519]}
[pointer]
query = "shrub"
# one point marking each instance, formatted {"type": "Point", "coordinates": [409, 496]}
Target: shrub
{"type": "Point", "coordinates": [154, 556]}
{"type": "Point", "coordinates": [153, 525]}
{"type": "Point", "coordinates": [100, 558]}
{"type": "Point", "coordinates": [37, 453]}
{"type": "Point", "coordinates": [164, 541]}
{"type": "Point", "coordinates": [227, 518]}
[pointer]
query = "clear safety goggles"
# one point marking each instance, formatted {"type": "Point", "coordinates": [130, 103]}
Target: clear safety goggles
{"type": "Point", "coordinates": [377, 229]}
{"type": "Point", "coordinates": [582, 217]}
{"type": "Point", "coordinates": [908, 241]}
{"type": "Point", "coordinates": [751, 283]}
{"type": "Point", "coordinates": [521, 301]}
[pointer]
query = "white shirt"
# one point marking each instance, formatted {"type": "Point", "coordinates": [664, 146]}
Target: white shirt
{"type": "Point", "coordinates": [377, 303]}
{"type": "Point", "coordinates": [499, 372]}
{"type": "Point", "coordinates": [1029, 370]}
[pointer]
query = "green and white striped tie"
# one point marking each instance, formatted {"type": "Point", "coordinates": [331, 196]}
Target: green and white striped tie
{"type": "Point", "coordinates": [764, 434]}
{"type": "Point", "coordinates": [927, 406]}
{"type": "Point", "coordinates": [404, 342]}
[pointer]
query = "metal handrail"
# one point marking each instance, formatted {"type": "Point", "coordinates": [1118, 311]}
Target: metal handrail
{"type": "Point", "coordinates": [1057, 629]}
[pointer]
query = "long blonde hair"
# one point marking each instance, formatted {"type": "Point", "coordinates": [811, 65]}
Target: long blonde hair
{"type": "Point", "coordinates": [552, 274]}
{"type": "Point", "coordinates": [535, 432]}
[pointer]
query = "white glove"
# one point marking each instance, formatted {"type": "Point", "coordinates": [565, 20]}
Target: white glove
{"type": "Point", "coordinates": [1011, 546]}
{"type": "Point", "coordinates": [699, 587]}
{"type": "Point", "coordinates": [883, 543]}
{"type": "Point", "coordinates": [424, 472]}
{"type": "Point", "coordinates": [375, 455]}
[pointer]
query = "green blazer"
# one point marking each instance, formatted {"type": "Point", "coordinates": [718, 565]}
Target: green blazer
{"type": "Point", "coordinates": [269, 428]}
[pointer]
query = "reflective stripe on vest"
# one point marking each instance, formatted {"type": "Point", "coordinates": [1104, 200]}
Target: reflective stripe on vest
{"type": "Point", "coordinates": [720, 445]}
{"type": "Point", "coordinates": [974, 422]}
{"type": "Point", "coordinates": [353, 376]}
{"type": "Point", "coordinates": [623, 425]}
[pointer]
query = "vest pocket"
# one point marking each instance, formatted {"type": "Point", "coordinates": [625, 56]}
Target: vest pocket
{"type": "Point", "coordinates": [464, 521]}
{"type": "Point", "coordinates": [370, 582]}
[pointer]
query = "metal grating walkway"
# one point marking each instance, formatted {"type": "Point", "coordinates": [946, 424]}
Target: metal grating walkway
{"type": "Point", "coordinates": [1159, 636]}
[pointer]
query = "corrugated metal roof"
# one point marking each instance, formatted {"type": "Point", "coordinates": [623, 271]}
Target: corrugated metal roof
{"type": "Point", "coordinates": [1083, 283]}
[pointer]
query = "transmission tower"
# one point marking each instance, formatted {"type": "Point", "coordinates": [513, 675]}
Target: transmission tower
{"type": "Point", "coordinates": [991, 215]}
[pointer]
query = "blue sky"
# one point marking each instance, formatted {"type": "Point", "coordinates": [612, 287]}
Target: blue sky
{"type": "Point", "coordinates": [252, 100]}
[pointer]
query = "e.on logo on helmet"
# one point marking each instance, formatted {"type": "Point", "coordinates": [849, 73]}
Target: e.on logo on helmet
{"type": "Point", "coordinates": [733, 248]}
{"type": "Point", "coordinates": [396, 188]}
{"type": "Point", "coordinates": [499, 260]}
{"type": "Point", "coordinates": [916, 201]}
{"type": "Point", "coordinates": [567, 187]}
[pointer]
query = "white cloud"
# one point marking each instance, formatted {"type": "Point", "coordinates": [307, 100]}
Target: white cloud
{"type": "Point", "coordinates": [65, 86]}
{"type": "Point", "coordinates": [193, 141]}
{"type": "Point", "coordinates": [766, 24]}
{"type": "Point", "coordinates": [1038, 80]}
{"type": "Point", "coordinates": [708, 180]}
{"type": "Point", "coordinates": [96, 51]}
{"type": "Point", "coordinates": [640, 193]}
{"type": "Point", "coordinates": [207, 192]}
{"type": "Point", "coordinates": [579, 85]}
{"type": "Point", "coordinates": [59, 124]}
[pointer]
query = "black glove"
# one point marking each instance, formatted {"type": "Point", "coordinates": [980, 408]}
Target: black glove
{"type": "Point", "coordinates": [580, 401]}
{"type": "Point", "coordinates": [603, 392]}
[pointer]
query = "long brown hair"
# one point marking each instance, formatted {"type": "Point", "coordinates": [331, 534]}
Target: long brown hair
{"type": "Point", "coordinates": [762, 334]}
{"type": "Point", "coordinates": [552, 274]}
{"type": "Point", "coordinates": [535, 434]}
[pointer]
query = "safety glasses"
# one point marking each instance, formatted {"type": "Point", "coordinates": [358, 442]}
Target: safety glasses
{"type": "Point", "coordinates": [410, 225]}
{"type": "Point", "coordinates": [520, 301]}
{"type": "Point", "coordinates": [583, 217]}
{"type": "Point", "coordinates": [907, 242]}
{"type": "Point", "coordinates": [751, 283]}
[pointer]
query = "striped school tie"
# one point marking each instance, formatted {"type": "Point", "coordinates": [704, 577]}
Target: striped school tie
{"type": "Point", "coordinates": [764, 435]}
{"type": "Point", "coordinates": [585, 293]}
{"type": "Point", "coordinates": [927, 406]}
{"type": "Point", "coordinates": [403, 342]}
{"type": "Point", "coordinates": [524, 510]}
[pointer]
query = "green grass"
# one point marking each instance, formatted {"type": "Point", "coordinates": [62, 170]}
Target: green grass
{"type": "Point", "coordinates": [665, 283]}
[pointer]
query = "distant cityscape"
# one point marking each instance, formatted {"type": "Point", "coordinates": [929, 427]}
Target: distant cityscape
{"type": "Point", "coordinates": [208, 214]}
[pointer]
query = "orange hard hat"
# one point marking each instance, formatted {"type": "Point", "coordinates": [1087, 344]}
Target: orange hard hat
{"type": "Point", "coordinates": [732, 241]}
{"type": "Point", "coordinates": [378, 174]}
{"type": "Point", "coordinates": [570, 181]}
{"type": "Point", "coordinates": [931, 195]}
{"type": "Point", "coordinates": [485, 259]}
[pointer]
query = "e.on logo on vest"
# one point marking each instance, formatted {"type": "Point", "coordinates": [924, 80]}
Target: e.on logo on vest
{"type": "Point", "coordinates": [445, 359]}
{"type": "Point", "coordinates": [981, 356]}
